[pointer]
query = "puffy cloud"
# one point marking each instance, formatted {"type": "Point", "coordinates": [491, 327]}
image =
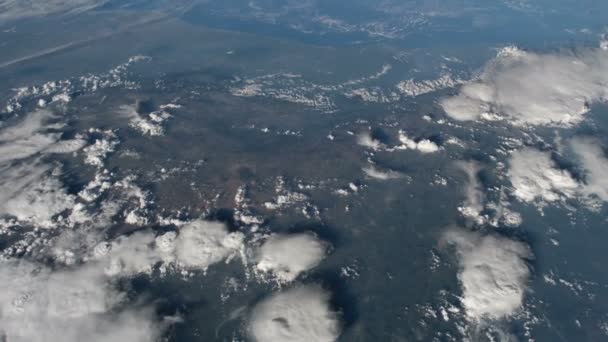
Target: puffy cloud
{"type": "Point", "coordinates": [595, 164]}
{"type": "Point", "coordinates": [535, 176]}
{"type": "Point", "coordinates": [536, 89]}
{"type": "Point", "coordinates": [201, 244]}
{"type": "Point", "coordinates": [286, 256]}
{"type": "Point", "coordinates": [152, 123]}
{"type": "Point", "coordinates": [374, 172]}
{"type": "Point", "coordinates": [197, 245]}
{"type": "Point", "coordinates": [366, 139]}
{"type": "Point", "coordinates": [427, 146]}
{"type": "Point", "coordinates": [37, 304]}
{"type": "Point", "coordinates": [97, 152]}
{"type": "Point", "coordinates": [493, 273]}
{"type": "Point", "coordinates": [300, 314]}
{"type": "Point", "coordinates": [424, 145]}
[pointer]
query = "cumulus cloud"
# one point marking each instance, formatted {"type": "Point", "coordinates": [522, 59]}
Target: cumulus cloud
{"type": "Point", "coordinates": [105, 143]}
{"type": "Point", "coordinates": [202, 243]}
{"type": "Point", "coordinates": [535, 177]}
{"type": "Point", "coordinates": [151, 123]}
{"type": "Point", "coordinates": [37, 305]}
{"type": "Point", "coordinates": [532, 88]}
{"type": "Point", "coordinates": [493, 273]}
{"type": "Point", "coordinates": [595, 164]}
{"type": "Point", "coordinates": [424, 145]}
{"type": "Point", "coordinates": [366, 139]}
{"type": "Point", "coordinates": [374, 172]}
{"type": "Point", "coordinates": [301, 314]}
{"type": "Point", "coordinates": [286, 256]}
{"type": "Point", "coordinates": [197, 245]}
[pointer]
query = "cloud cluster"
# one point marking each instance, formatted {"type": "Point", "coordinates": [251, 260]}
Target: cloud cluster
{"type": "Point", "coordinates": [536, 89]}
{"type": "Point", "coordinates": [366, 139]}
{"type": "Point", "coordinates": [80, 303]}
{"type": "Point", "coordinates": [196, 245]}
{"type": "Point", "coordinates": [535, 176]}
{"type": "Point", "coordinates": [105, 143]}
{"type": "Point", "coordinates": [37, 305]}
{"type": "Point", "coordinates": [493, 273]}
{"type": "Point", "coordinates": [300, 314]}
{"type": "Point", "coordinates": [152, 123]}
{"type": "Point", "coordinates": [423, 145]}
{"type": "Point", "coordinates": [31, 190]}
{"type": "Point", "coordinates": [286, 256]}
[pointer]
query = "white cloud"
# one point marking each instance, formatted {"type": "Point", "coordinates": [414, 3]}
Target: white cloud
{"type": "Point", "coordinates": [373, 94]}
{"type": "Point", "coordinates": [535, 176]}
{"type": "Point", "coordinates": [301, 314]}
{"type": "Point", "coordinates": [415, 88]}
{"type": "Point", "coordinates": [40, 305]}
{"type": "Point", "coordinates": [474, 196]}
{"type": "Point", "coordinates": [424, 145]}
{"type": "Point", "coordinates": [365, 139]}
{"type": "Point", "coordinates": [96, 153]}
{"type": "Point", "coordinates": [476, 206]}
{"type": "Point", "coordinates": [24, 138]}
{"type": "Point", "coordinates": [536, 89]}
{"type": "Point", "coordinates": [32, 193]}
{"type": "Point", "coordinates": [196, 246]}
{"type": "Point", "coordinates": [595, 164]}
{"type": "Point", "coordinates": [202, 243]}
{"type": "Point", "coordinates": [374, 172]}
{"type": "Point", "coordinates": [32, 135]}
{"type": "Point", "coordinates": [493, 273]}
{"type": "Point", "coordinates": [128, 255]}
{"type": "Point", "coordinates": [427, 146]}
{"type": "Point", "coordinates": [286, 256]}
{"type": "Point", "coordinates": [150, 124]}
